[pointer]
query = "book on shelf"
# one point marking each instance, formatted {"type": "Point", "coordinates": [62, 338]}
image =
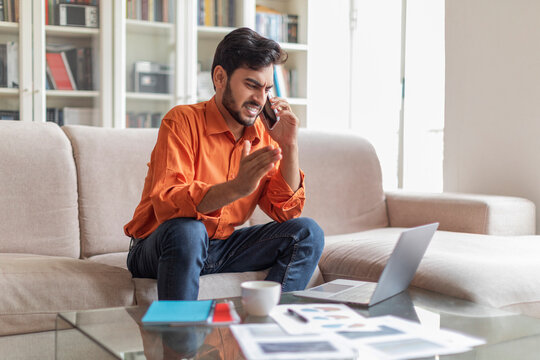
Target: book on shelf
{"type": "Point", "coordinates": [55, 115]}
{"type": "Point", "coordinates": [275, 25]}
{"type": "Point", "coordinates": [9, 64]}
{"type": "Point", "coordinates": [285, 81]}
{"type": "Point", "coordinates": [9, 115]}
{"type": "Point", "coordinates": [216, 13]}
{"type": "Point", "coordinates": [73, 72]}
{"type": "Point", "coordinates": [143, 119]}
{"type": "Point", "coordinates": [151, 10]}
{"type": "Point", "coordinates": [280, 81]}
{"type": "Point", "coordinates": [12, 52]}
{"type": "Point", "coordinates": [84, 69]}
{"type": "Point", "coordinates": [71, 116]}
{"type": "Point", "coordinates": [9, 10]}
{"type": "Point", "coordinates": [58, 72]}
{"type": "Point", "coordinates": [3, 65]}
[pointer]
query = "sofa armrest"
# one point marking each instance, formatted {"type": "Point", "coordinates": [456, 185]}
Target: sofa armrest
{"type": "Point", "coordinates": [478, 214]}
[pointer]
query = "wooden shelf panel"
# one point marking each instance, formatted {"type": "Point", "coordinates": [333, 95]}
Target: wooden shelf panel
{"type": "Point", "coordinates": [7, 27]}
{"type": "Point", "coordinates": [149, 27]}
{"type": "Point", "coordinates": [148, 96]}
{"type": "Point", "coordinates": [9, 91]}
{"type": "Point", "coordinates": [73, 93]}
{"type": "Point", "coordinates": [70, 31]}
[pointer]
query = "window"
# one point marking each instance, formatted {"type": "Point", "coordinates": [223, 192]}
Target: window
{"type": "Point", "coordinates": [387, 46]}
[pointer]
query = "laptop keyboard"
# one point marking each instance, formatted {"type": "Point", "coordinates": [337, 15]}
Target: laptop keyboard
{"type": "Point", "coordinates": [361, 294]}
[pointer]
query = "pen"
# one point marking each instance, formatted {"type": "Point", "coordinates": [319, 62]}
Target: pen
{"type": "Point", "coordinates": [297, 315]}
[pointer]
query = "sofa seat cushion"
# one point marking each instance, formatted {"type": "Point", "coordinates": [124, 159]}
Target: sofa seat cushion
{"type": "Point", "coordinates": [213, 286]}
{"type": "Point", "coordinates": [36, 287]}
{"type": "Point", "coordinates": [117, 259]}
{"type": "Point", "coordinates": [493, 270]}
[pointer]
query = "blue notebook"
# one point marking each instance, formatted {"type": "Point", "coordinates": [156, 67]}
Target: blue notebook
{"type": "Point", "coordinates": [178, 312]}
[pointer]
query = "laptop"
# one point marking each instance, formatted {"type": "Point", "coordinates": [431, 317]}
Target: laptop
{"type": "Point", "coordinates": [395, 278]}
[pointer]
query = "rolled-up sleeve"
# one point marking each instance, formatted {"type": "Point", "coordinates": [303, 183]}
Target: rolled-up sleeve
{"type": "Point", "coordinates": [174, 191]}
{"type": "Point", "coordinates": [279, 201]}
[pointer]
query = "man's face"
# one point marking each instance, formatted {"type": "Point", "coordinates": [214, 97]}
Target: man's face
{"type": "Point", "coordinates": [245, 93]}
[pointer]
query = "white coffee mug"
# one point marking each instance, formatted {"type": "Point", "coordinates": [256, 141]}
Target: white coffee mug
{"type": "Point", "coordinates": [259, 297]}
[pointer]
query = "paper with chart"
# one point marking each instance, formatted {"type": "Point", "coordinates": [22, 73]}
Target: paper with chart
{"type": "Point", "coordinates": [385, 337]}
{"type": "Point", "coordinates": [269, 341]}
{"type": "Point", "coordinates": [320, 318]}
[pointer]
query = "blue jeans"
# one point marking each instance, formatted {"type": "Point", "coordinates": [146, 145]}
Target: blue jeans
{"type": "Point", "coordinates": [178, 252]}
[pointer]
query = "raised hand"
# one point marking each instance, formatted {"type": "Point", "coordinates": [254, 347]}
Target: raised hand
{"type": "Point", "coordinates": [253, 167]}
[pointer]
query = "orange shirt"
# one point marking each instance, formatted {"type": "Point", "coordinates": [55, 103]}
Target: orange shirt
{"type": "Point", "coordinates": [194, 151]}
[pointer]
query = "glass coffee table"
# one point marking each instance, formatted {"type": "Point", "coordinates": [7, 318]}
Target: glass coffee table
{"type": "Point", "coordinates": [117, 333]}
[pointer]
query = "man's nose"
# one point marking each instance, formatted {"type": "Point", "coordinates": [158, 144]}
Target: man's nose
{"type": "Point", "coordinates": [260, 96]}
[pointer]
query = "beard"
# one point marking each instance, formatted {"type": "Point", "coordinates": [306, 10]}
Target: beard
{"type": "Point", "coordinates": [229, 103]}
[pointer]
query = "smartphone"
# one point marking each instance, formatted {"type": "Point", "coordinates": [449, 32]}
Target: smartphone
{"type": "Point", "coordinates": [269, 115]}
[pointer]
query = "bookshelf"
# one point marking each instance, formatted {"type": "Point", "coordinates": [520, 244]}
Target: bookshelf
{"type": "Point", "coordinates": [208, 38]}
{"type": "Point", "coordinates": [10, 82]}
{"type": "Point", "coordinates": [35, 33]}
{"type": "Point", "coordinates": [73, 78]}
{"type": "Point", "coordinates": [188, 46]}
{"type": "Point", "coordinates": [172, 39]}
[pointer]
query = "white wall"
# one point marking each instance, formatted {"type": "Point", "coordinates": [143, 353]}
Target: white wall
{"type": "Point", "coordinates": [376, 80]}
{"type": "Point", "coordinates": [492, 116]}
{"type": "Point", "coordinates": [328, 64]}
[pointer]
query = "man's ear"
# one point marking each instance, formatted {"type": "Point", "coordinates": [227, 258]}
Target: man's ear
{"type": "Point", "coordinates": [219, 77]}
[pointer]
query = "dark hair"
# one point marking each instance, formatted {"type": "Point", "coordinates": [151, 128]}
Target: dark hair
{"type": "Point", "coordinates": [245, 47]}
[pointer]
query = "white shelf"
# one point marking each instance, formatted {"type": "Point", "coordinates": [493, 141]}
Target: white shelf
{"type": "Point", "coordinates": [7, 27]}
{"type": "Point", "coordinates": [213, 32]}
{"type": "Point", "coordinates": [70, 31]}
{"type": "Point", "coordinates": [73, 93]}
{"type": "Point", "coordinates": [292, 47]}
{"type": "Point", "coordinates": [9, 91]}
{"type": "Point", "coordinates": [148, 96]}
{"type": "Point", "coordinates": [149, 27]}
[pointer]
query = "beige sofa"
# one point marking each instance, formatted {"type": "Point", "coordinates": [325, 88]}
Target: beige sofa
{"type": "Point", "coordinates": [65, 195]}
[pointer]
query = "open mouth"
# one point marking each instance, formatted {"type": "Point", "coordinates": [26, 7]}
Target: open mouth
{"type": "Point", "coordinates": [253, 110]}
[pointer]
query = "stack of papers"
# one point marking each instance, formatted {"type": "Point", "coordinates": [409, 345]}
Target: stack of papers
{"type": "Point", "coordinates": [338, 332]}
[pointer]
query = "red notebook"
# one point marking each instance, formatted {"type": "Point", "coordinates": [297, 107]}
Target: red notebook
{"type": "Point", "coordinates": [59, 72]}
{"type": "Point", "coordinates": [224, 313]}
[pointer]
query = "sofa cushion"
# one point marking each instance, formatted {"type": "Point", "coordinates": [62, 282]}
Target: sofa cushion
{"type": "Point", "coordinates": [38, 190]}
{"type": "Point", "coordinates": [111, 167]}
{"type": "Point", "coordinates": [113, 259]}
{"type": "Point", "coordinates": [212, 286]}
{"type": "Point", "coordinates": [338, 168]}
{"type": "Point", "coordinates": [35, 288]}
{"type": "Point", "coordinates": [492, 270]}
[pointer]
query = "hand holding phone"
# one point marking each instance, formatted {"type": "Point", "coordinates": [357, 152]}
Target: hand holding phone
{"type": "Point", "coordinates": [269, 115]}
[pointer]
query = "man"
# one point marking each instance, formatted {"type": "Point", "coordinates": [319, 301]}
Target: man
{"type": "Point", "coordinates": [212, 164]}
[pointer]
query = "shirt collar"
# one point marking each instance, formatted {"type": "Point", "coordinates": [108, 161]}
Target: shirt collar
{"type": "Point", "coordinates": [215, 124]}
